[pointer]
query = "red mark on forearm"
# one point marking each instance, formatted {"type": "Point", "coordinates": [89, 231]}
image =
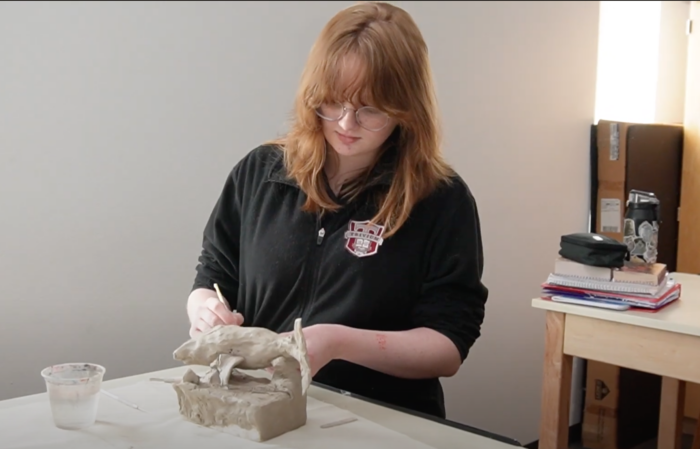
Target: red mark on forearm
{"type": "Point", "coordinates": [381, 341]}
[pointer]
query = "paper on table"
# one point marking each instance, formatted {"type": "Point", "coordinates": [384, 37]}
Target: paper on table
{"type": "Point", "coordinates": [118, 427]}
{"type": "Point", "coordinates": [160, 425]}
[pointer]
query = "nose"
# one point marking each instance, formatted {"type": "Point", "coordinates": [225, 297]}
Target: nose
{"type": "Point", "coordinates": [349, 120]}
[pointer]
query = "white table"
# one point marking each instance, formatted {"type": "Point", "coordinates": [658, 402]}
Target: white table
{"type": "Point", "coordinates": [665, 343]}
{"type": "Point", "coordinates": [432, 432]}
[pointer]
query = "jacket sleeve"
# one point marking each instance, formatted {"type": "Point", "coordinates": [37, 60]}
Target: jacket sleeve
{"type": "Point", "coordinates": [453, 296]}
{"type": "Point", "coordinates": [219, 257]}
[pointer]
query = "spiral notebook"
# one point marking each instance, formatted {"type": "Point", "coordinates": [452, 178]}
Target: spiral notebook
{"type": "Point", "coordinates": [612, 286]}
{"type": "Point", "coordinates": [571, 269]}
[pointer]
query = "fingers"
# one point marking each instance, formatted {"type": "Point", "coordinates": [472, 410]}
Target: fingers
{"type": "Point", "coordinates": [198, 328]}
{"type": "Point", "coordinates": [237, 319]}
{"type": "Point", "coordinates": [213, 313]}
{"type": "Point", "coordinates": [210, 318]}
{"type": "Point", "coordinates": [221, 311]}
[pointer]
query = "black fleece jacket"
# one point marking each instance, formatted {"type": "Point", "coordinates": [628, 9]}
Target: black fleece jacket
{"type": "Point", "coordinates": [274, 263]}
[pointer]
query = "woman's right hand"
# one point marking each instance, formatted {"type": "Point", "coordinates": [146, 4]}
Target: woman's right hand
{"type": "Point", "coordinates": [207, 312]}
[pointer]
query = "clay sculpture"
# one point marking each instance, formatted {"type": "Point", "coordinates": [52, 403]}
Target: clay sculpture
{"type": "Point", "coordinates": [256, 408]}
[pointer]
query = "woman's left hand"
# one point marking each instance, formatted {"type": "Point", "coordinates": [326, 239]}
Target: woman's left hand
{"type": "Point", "coordinates": [322, 344]}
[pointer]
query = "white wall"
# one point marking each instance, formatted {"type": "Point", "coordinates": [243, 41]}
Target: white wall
{"type": "Point", "coordinates": [642, 61]}
{"type": "Point", "coordinates": [119, 122]}
{"type": "Point", "coordinates": [517, 86]}
{"type": "Point", "coordinates": [673, 55]}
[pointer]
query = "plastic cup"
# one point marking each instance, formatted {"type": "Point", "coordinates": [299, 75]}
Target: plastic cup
{"type": "Point", "coordinates": [74, 393]}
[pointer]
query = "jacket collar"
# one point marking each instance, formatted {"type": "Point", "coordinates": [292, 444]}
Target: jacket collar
{"type": "Point", "coordinates": [278, 172]}
{"type": "Point", "coordinates": [382, 173]}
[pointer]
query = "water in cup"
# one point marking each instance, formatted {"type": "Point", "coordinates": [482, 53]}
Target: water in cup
{"type": "Point", "coordinates": [74, 391]}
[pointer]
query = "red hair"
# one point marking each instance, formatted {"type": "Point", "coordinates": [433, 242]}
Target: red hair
{"type": "Point", "coordinates": [396, 78]}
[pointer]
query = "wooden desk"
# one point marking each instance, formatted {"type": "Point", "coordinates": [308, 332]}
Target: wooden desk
{"type": "Point", "coordinates": [666, 343]}
{"type": "Point", "coordinates": [433, 432]}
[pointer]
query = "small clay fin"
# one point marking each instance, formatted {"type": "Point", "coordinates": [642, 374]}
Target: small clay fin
{"type": "Point", "coordinates": [226, 365]}
{"type": "Point", "coordinates": [302, 356]}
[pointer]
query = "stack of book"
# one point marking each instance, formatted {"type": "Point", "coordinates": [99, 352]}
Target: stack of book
{"type": "Point", "coordinates": [639, 286]}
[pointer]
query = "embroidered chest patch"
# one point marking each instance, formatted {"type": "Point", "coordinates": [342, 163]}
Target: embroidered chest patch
{"type": "Point", "coordinates": [362, 238]}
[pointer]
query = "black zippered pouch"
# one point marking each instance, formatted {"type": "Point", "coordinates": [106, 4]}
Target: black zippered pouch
{"type": "Point", "coordinates": [593, 249]}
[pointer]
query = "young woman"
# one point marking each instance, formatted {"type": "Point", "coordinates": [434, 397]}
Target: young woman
{"type": "Point", "coordinates": [354, 222]}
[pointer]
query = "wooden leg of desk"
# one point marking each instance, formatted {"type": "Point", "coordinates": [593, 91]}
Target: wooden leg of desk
{"type": "Point", "coordinates": [556, 386]}
{"type": "Point", "coordinates": [696, 435]}
{"type": "Point", "coordinates": [671, 413]}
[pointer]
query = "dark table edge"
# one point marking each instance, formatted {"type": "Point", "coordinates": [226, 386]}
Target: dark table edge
{"type": "Point", "coordinates": [445, 422]}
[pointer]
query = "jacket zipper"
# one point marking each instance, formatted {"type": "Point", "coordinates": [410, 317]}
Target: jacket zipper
{"type": "Point", "coordinates": [316, 254]}
{"type": "Point", "coordinates": [320, 230]}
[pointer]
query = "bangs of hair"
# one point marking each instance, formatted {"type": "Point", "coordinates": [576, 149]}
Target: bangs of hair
{"type": "Point", "coordinates": [361, 71]}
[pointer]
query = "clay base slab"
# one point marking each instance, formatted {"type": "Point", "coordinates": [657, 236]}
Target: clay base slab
{"type": "Point", "coordinates": [254, 408]}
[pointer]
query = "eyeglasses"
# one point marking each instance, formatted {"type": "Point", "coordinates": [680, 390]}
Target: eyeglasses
{"type": "Point", "coordinates": [368, 117]}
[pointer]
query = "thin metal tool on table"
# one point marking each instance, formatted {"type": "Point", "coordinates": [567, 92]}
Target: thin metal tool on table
{"type": "Point", "coordinates": [221, 297]}
{"type": "Point", "coordinates": [118, 399]}
{"type": "Point", "coordinates": [338, 423]}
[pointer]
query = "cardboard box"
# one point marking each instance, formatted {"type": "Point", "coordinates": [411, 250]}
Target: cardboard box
{"type": "Point", "coordinates": [645, 157]}
{"type": "Point", "coordinates": [621, 407]}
